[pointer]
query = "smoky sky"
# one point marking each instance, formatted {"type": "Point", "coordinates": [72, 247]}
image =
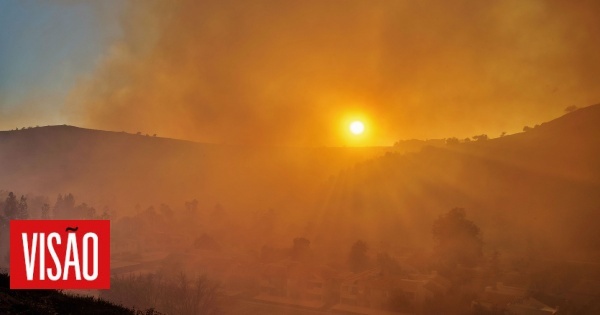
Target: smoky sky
{"type": "Point", "coordinates": [287, 72]}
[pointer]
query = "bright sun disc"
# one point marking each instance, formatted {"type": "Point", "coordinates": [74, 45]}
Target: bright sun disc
{"type": "Point", "coordinates": [357, 127]}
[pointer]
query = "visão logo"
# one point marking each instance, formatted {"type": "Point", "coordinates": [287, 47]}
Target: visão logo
{"type": "Point", "coordinates": [60, 254]}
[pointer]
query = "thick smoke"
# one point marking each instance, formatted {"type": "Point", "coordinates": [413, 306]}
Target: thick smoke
{"type": "Point", "coordinates": [287, 72]}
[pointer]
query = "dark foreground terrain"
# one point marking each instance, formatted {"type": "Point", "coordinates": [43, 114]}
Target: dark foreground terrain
{"type": "Point", "coordinates": [51, 302]}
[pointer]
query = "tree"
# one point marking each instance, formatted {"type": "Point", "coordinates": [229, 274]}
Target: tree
{"type": "Point", "coordinates": [64, 206]}
{"type": "Point", "coordinates": [192, 206]}
{"type": "Point", "coordinates": [84, 211]}
{"type": "Point", "coordinates": [571, 108]}
{"type": "Point", "coordinates": [3, 221]}
{"type": "Point", "coordinates": [106, 216]}
{"type": "Point", "coordinates": [56, 210]}
{"type": "Point", "coordinates": [45, 211]}
{"type": "Point", "coordinates": [358, 259]}
{"type": "Point", "coordinates": [22, 209]}
{"type": "Point", "coordinates": [452, 141]}
{"type": "Point", "coordinates": [482, 137]}
{"type": "Point", "coordinates": [458, 240]}
{"type": "Point", "coordinates": [11, 206]}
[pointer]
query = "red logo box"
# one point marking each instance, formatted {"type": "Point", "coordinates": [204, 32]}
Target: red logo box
{"type": "Point", "coordinates": [59, 254]}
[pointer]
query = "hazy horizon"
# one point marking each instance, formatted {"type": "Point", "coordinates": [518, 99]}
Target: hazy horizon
{"type": "Point", "coordinates": [348, 144]}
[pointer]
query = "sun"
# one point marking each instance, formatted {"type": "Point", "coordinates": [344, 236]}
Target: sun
{"type": "Point", "coordinates": [357, 127]}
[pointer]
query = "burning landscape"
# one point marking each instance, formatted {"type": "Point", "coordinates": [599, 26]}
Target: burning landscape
{"type": "Point", "coordinates": [269, 157]}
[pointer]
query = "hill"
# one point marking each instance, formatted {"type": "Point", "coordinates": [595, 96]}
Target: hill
{"type": "Point", "coordinates": [536, 190]}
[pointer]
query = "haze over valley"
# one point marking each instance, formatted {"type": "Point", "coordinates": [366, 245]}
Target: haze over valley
{"type": "Point", "coordinates": [304, 157]}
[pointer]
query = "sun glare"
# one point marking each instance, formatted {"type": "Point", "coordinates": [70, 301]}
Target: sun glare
{"type": "Point", "coordinates": [357, 127]}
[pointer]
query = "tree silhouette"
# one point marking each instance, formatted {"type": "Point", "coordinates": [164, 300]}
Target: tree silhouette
{"type": "Point", "coordinates": [105, 215]}
{"type": "Point", "coordinates": [191, 206]}
{"type": "Point", "coordinates": [22, 209]}
{"type": "Point", "coordinates": [64, 206]}
{"type": "Point", "coordinates": [452, 141]}
{"type": "Point", "coordinates": [11, 206]}
{"type": "Point", "coordinates": [482, 137]}
{"type": "Point", "coordinates": [358, 259]}
{"type": "Point", "coordinates": [3, 222]}
{"type": "Point", "coordinates": [45, 211]}
{"type": "Point", "coordinates": [57, 206]}
{"type": "Point", "coordinates": [458, 240]}
{"type": "Point", "coordinates": [84, 211]}
{"type": "Point", "coordinates": [571, 108]}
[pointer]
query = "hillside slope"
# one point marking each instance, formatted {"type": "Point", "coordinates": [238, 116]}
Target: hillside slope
{"type": "Point", "coordinates": [51, 302]}
{"type": "Point", "coordinates": [534, 189]}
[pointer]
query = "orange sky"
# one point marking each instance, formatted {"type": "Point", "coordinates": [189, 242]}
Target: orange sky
{"type": "Point", "coordinates": [292, 72]}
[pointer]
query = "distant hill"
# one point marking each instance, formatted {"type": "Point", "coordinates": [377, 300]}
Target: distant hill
{"type": "Point", "coordinates": [51, 302]}
{"type": "Point", "coordinates": [537, 189]}
{"type": "Point", "coordinates": [115, 168]}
